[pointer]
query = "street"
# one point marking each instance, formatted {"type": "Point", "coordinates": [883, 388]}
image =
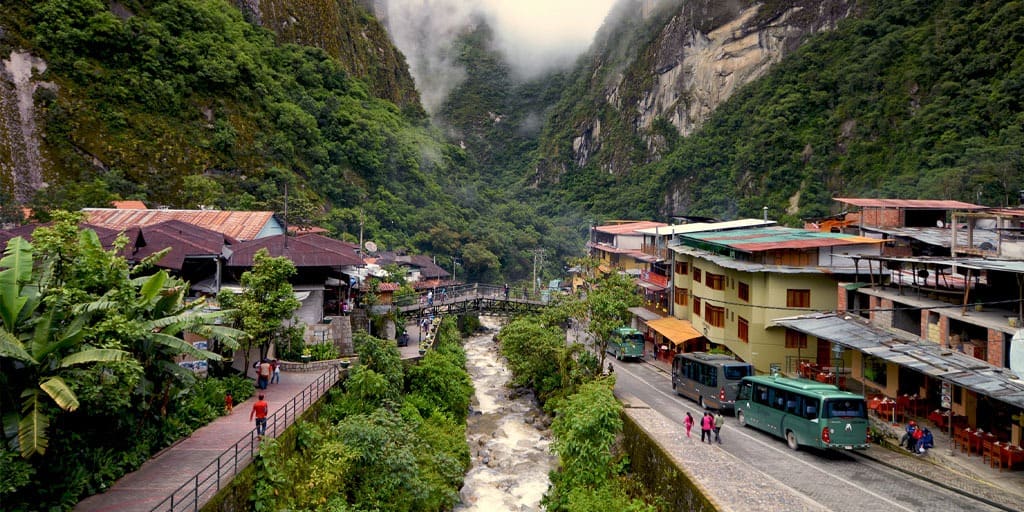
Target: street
{"type": "Point", "coordinates": [833, 480]}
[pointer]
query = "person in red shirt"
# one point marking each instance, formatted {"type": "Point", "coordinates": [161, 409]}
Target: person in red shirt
{"type": "Point", "coordinates": [259, 411]}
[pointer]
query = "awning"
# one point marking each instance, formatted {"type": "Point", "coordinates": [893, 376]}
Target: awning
{"type": "Point", "coordinates": [649, 285]}
{"type": "Point", "coordinates": [675, 330]}
{"type": "Point", "coordinates": [927, 358]}
{"type": "Point", "coordinates": [644, 314]}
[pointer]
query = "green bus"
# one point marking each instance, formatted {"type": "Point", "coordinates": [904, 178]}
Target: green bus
{"type": "Point", "coordinates": [804, 412]}
{"type": "Point", "coordinates": [626, 343]}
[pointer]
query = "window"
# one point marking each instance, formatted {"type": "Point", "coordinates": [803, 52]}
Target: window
{"type": "Point", "coordinates": [743, 330]}
{"type": "Point", "coordinates": [682, 296]}
{"type": "Point", "coordinates": [798, 298]}
{"type": "Point", "coordinates": [744, 292]}
{"type": "Point", "coordinates": [696, 306]}
{"type": "Point", "coordinates": [714, 281]}
{"type": "Point", "coordinates": [795, 339]}
{"type": "Point", "coordinates": [682, 268]}
{"type": "Point", "coordinates": [696, 274]}
{"type": "Point", "coordinates": [714, 315]}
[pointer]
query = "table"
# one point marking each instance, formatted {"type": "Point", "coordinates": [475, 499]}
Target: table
{"type": "Point", "coordinates": [976, 442]}
{"type": "Point", "coordinates": [1008, 455]}
{"type": "Point", "coordinates": [941, 419]}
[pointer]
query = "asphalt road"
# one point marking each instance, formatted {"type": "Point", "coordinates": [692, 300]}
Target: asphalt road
{"type": "Point", "coordinates": [834, 480]}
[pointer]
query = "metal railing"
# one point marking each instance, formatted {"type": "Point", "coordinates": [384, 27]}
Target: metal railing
{"type": "Point", "coordinates": [206, 483]}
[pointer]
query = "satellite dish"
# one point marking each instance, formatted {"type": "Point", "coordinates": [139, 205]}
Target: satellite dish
{"type": "Point", "coordinates": [370, 246]}
{"type": "Point", "coordinates": [1017, 354]}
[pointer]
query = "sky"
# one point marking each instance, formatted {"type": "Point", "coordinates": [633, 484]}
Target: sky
{"type": "Point", "coordinates": [535, 36]}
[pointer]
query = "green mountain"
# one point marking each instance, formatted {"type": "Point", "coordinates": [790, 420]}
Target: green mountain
{"type": "Point", "coordinates": [886, 98]}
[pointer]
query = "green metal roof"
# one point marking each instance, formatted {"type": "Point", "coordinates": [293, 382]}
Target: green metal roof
{"type": "Point", "coordinates": [773, 237]}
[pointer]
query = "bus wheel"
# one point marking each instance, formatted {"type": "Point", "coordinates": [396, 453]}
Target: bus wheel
{"type": "Point", "coordinates": [741, 419]}
{"type": "Point", "coordinates": [791, 440]}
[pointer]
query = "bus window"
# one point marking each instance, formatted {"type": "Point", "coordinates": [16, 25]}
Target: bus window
{"type": "Point", "coordinates": [777, 397]}
{"type": "Point", "coordinates": [845, 409]}
{"type": "Point", "coordinates": [810, 410]}
{"type": "Point", "coordinates": [736, 372]}
{"type": "Point", "coordinates": [793, 403]}
{"type": "Point", "coordinates": [761, 394]}
{"type": "Point", "coordinates": [746, 390]}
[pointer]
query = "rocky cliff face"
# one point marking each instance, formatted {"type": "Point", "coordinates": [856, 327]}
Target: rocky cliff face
{"type": "Point", "coordinates": [21, 163]}
{"type": "Point", "coordinates": [677, 61]}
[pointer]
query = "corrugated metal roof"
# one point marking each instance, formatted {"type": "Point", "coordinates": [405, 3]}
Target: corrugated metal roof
{"type": "Point", "coordinates": [185, 240]}
{"type": "Point", "coordinates": [696, 227]}
{"type": "Point", "coordinates": [129, 205]}
{"type": "Point", "coordinates": [776, 237]}
{"type": "Point", "coordinates": [909, 204]}
{"type": "Point", "coordinates": [1015, 266]}
{"type": "Point", "coordinates": [925, 357]}
{"type": "Point", "coordinates": [236, 224]}
{"type": "Point", "coordinates": [940, 237]}
{"type": "Point", "coordinates": [628, 227]}
{"type": "Point", "coordinates": [747, 266]}
{"type": "Point", "coordinates": [304, 251]}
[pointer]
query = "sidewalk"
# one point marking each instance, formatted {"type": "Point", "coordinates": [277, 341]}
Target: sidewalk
{"type": "Point", "coordinates": [956, 471]}
{"type": "Point", "coordinates": [160, 476]}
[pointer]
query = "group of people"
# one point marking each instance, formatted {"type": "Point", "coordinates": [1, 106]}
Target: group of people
{"type": "Point", "coordinates": [710, 423]}
{"type": "Point", "coordinates": [268, 371]}
{"type": "Point", "coordinates": [917, 439]}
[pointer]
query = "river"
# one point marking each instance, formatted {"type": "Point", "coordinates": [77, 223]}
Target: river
{"type": "Point", "coordinates": [507, 434]}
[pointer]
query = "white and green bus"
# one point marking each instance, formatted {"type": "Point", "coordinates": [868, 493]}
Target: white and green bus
{"type": "Point", "coordinates": [626, 343]}
{"type": "Point", "coordinates": [804, 412]}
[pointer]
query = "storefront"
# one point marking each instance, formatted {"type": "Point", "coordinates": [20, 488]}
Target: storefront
{"type": "Point", "coordinates": [673, 336]}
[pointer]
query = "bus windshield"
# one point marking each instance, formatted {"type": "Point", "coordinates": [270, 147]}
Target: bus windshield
{"type": "Point", "coordinates": [634, 338]}
{"type": "Point", "coordinates": [844, 408]}
{"type": "Point", "coordinates": [737, 372]}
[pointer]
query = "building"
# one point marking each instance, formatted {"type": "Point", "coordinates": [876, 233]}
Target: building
{"type": "Point", "coordinates": [731, 284]}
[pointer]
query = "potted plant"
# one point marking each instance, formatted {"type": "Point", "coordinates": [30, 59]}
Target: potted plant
{"type": "Point", "coordinates": [307, 354]}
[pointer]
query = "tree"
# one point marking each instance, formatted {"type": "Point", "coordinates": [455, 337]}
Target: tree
{"type": "Point", "coordinates": [267, 301]}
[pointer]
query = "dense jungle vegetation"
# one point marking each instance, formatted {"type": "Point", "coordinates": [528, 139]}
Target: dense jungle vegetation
{"type": "Point", "coordinates": [90, 387]}
{"type": "Point", "coordinates": [183, 103]}
{"type": "Point", "coordinates": [394, 438]}
{"type": "Point", "coordinates": [914, 99]}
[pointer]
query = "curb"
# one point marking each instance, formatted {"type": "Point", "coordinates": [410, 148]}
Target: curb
{"type": "Point", "coordinates": [866, 455]}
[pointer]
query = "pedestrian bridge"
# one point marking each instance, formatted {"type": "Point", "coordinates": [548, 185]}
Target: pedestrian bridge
{"type": "Point", "coordinates": [483, 299]}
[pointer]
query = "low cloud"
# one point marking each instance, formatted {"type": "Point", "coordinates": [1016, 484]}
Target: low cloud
{"type": "Point", "coordinates": [536, 36]}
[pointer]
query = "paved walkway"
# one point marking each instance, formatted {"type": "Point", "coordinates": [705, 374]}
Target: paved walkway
{"type": "Point", "coordinates": [159, 477]}
{"type": "Point", "coordinates": [953, 470]}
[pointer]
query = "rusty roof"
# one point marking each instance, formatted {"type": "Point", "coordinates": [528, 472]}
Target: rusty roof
{"type": "Point", "coordinates": [909, 204]}
{"type": "Point", "coordinates": [129, 205]}
{"type": "Point", "coordinates": [428, 269]}
{"type": "Point", "coordinates": [107, 236]}
{"type": "Point", "coordinates": [240, 225]}
{"type": "Point", "coordinates": [628, 228]}
{"type": "Point", "coordinates": [304, 251]}
{"type": "Point", "coordinates": [775, 237]}
{"type": "Point", "coordinates": [185, 240]}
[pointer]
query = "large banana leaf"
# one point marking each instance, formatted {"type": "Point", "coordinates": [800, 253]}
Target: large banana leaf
{"type": "Point", "coordinates": [33, 425]}
{"type": "Point", "coordinates": [180, 346]}
{"type": "Point", "coordinates": [94, 355]}
{"type": "Point", "coordinates": [60, 393]}
{"type": "Point", "coordinates": [17, 265]}
{"type": "Point", "coordinates": [11, 347]}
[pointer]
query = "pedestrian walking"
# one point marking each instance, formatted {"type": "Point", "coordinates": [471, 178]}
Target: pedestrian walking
{"type": "Point", "coordinates": [688, 423]}
{"type": "Point", "coordinates": [263, 374]}
{"type": "Point", "coordinates": [229, 402]}
{"type": "Point", "coordinates": [430, 298]}
{"type": "Point", "coordinates": [275, 371]}
{"type": "Point", "coordinates": [719, 421]}
{"type": "Point", "coordinates": [506, 291]}
{"type": "Point", "coordinates": [706, 424]}
{"type": "Point", "coordinates": [259, 411]}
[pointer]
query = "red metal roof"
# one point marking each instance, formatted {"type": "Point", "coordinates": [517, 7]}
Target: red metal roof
{"type": "Point", "coordinates": [129, 205]}
{"type": "Point", "coordinates": [928, 204]}
{"type": "Point", "coordinates": [629, 227]}
{"type": "Point", "coordinates": [237, 225]}
{"type": "Point", "coordinates": [304, 251]}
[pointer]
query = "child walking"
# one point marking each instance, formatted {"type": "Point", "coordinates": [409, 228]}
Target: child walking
{"type": "Point", "coordinates": [229, 402]}
{"type": "Point", "coordinates": [688, 423]}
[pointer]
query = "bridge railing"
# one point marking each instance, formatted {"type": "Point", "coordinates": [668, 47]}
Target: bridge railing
{"type": "Point", "coordinates": [466, 291]}
{"type": "Point", "coordinates": [206, 483]}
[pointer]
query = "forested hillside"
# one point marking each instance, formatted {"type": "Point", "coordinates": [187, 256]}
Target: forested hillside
{"type": "Point", "coordinates": [184, 103]}
{"type": "Point", "coordinates": [911, 99]}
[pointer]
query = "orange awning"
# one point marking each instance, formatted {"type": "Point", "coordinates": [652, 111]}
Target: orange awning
{"type": "Point", "coordinates": [675, 330]}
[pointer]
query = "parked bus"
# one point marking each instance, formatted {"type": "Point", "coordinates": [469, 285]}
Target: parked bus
{"type": "Point", "coordinates": [804, 412]}
{"type": "Point", "coordinates": [625, 343]}
{"type": "Point", "coordinates": [710, 379]}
